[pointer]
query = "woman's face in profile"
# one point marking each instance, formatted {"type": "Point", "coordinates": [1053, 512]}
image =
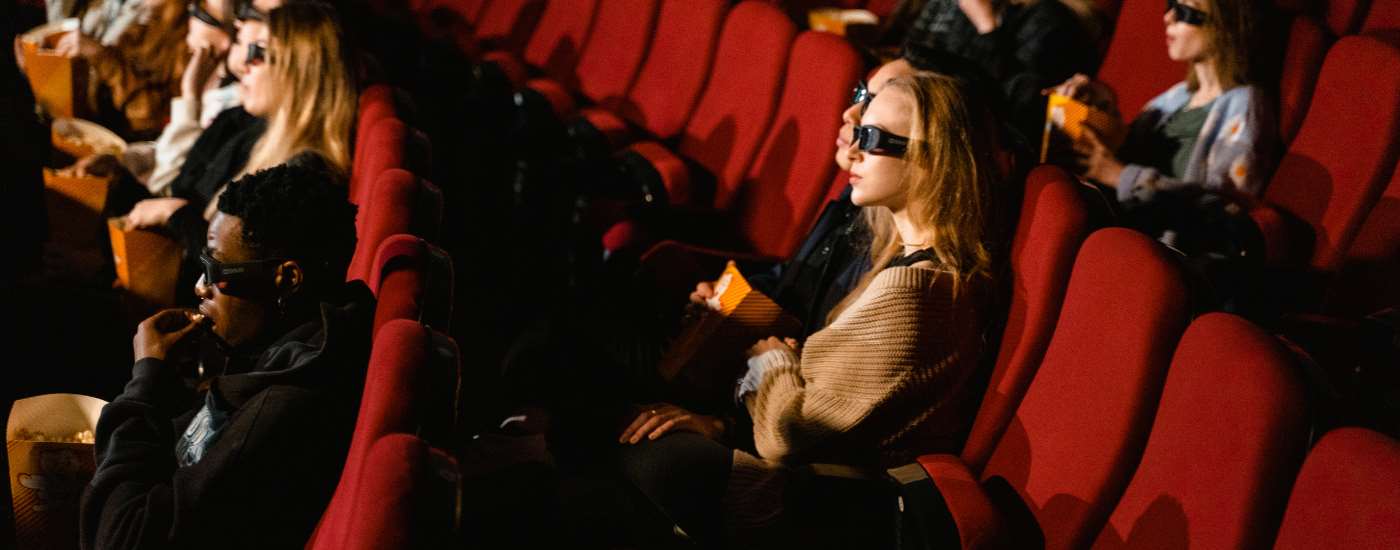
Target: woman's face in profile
{"type": "Point", "coordinates": [1186, 42]}
{"type": "Point", "coordinates": [878, 180]}
{"type": "Point", "coordinates": [259, 98]}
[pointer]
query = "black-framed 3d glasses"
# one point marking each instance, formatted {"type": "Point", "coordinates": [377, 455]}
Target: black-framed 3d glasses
{"type": "Point", "coordinates": [246, 12]}
{"type": "Point", "coordinates": [256, 279]}
{"type": "Point", "coordinates": [1187, 14]}
{"type": "Point", "coordinates": [879, 142]}
{"type": "Point", "coordinates": [257, 54]}
{"type": "Point", "coordinates": [862, 95]}
{"type": "Point", "coordinates": [197, 11]}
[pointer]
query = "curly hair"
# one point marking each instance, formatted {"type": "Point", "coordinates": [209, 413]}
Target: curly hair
{"type": "Point", "coordinates": [296, 212]}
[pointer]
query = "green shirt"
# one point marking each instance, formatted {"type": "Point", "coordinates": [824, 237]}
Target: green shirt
{"type": "Point", "coordinates": [1173, 146]}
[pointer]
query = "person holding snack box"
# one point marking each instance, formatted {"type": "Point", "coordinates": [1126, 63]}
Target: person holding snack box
{"type": "Point", "coordinates": [893, 374]}
{"type": "Point", "coordinates": [253, 461]}
{"type": "Point", "coordinates": [1209, 136]}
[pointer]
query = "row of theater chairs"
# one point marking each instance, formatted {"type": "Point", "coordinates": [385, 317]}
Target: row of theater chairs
{"type": "Point", "coordinates": [1109, 422]}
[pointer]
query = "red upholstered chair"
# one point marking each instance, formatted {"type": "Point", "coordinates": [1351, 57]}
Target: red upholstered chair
{"type": "Point", "coordinates": [1344, 16]}
{"type": "Point", "coordinates": [399, 202]}
{"type": "Point", "coordinates": [376, 104]}
{"type": "Point", "coordinates": [1383, 16]}
{"type": "Point", "coordinates": [729, 124]}
{"type": "Point", "coordinates": [506, 25]}
{"type": "Point", "coordinates": [1230, 432]}
{"type": "Point", "coordinates": [412, 279]}
{"type": "Point", "coordinates": [1054, 222]}
{"type": "Point", "coordinates": [389, 144]}
{"type": "Point", "coordinates": [670, 80]}
{"type": "Point", "coordinates": [1080, 429]}
{"type": "Point", "coordinates": [610, 59]}
{"type": "Point", "coordinates": [1337, 166]}
{"type": "Point", "coordinates": [555, 46]}
{"type": "Point", "coordinates": [1346, 494]}
{"type": "Point", "coordinates": [409, 387]}
{"type": "Point", "coordinates": [1366, 281]}
{"type": "Point", "coordinates": [1303, 54]}
{"type": "Point", "coordinates": [406, 497]}
{"type": "Point", "coordinates": [1136, 65]}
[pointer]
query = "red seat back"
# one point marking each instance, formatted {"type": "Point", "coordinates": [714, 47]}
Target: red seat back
{"type": "Point", "coordinates": [506, 24]}
{"type": "Point", "coordinates": [1302, 61]}
{"type": "Point", "coordinates": [1338, 164]}
{"type": "Point", "coordinates": [1383, 16]}
{"type": "Point", "coordinates": [1230, 432]}
{"type": "Point", "coordinates": [390, 144]}
{"type": "Point", "coordinates": [406, 497]}
{"type": "Point", "coordinates": [1344, 16]}
{"type": "Point", "coordinates": [376, 104]}
{"type": "Point", "coordinates": [1054, 222]}
{"type": "Point", "coordinates": [412, 280]}
{"type": "Point", "coordinates": [676, 66]}
{"type": "Point", "coordinates": [1136, 63]}
{"type": "Point", "coordinates": [1080, 430]}
{"type": "Point", "coordinates": [1346, 494]}
{"type": "Point", "coordinates": [788, 180]}
{"type": "Point", "coordinates": [1366, 282]}
{"type": "Point", "coordinates": [729, 124]}
{"type": "Point", "coordinates": [558, 40]}
{"type": "Point", "coordinates": [615, 48]}
{"type": "Point", "coordinates": [404, 388]}
{"type": "Point", "coordinates": [399, 202]}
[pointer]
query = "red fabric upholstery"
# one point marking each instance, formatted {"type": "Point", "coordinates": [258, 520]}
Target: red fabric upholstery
{"type": "Point", "coordinates": [1136, 63]}
{"type": "Point", "coordinates": [609, 124]}
{"type": "Point", "coordinates": [405, 498]}
{"type": "Point", "coordinates": [1079, 431]}
{"type": "Point", "coordinates": [396, 379]}
{"type": "Point", "coordinates": [411, 280]}
{"type": "Point", "coordinates": [1230, 432]}
{"type": "Point", "coordinates": [979, 523]}
{"type": "Point", "coordinates": [1384, 16]}
{"type": "Point", "coordinates": [1344, 16]}
{"type": "Point", "coordinates": [398, 203]}
{"type": "Point", "coordinates": [559, 98]}
{"type": "Point", "coordinates": [729, 124]}
{"type": "Point", "coordinates": [1054, 222]}
{"type": "Point", "coordinates": [782, 193]}
{"type": "Point", "coordinates": [376, 104]}
{"type": "Point", "coordinates": [390, 144]}
{"type": "Point", "coordinates": [510, 65]}
{"type": "Point", "coordinates": [1302, 60]}
{"type": "Point", "coordinates": [676, 66]}
{"type": "Point", "coordinates": [613, 54]}
{"type": "Point", "coordinates": [1337, 165]}
{"type": "Point", "coordinates": [559, 38]}
{"type": "Point", "coordinates": [673, 171]}
{"type": "Point", "coordinates": [839, 182]}
{"type": "Point", "coordinates": [1346, 494]}
{"type": "Point", "coordinates": [506, 24]}
{"type": "Point", "coordinates": [1366, 281]}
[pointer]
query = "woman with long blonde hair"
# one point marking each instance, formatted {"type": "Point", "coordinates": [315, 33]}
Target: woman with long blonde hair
{"type": "Point", "coordinates": [894, 374]}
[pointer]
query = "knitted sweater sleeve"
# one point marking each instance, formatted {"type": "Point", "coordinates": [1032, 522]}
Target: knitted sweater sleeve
{"type": "Point", "coordinates": [852, 371]}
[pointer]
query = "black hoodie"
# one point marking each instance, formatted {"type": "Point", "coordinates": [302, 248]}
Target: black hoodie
{"type": "Point", "coordinates": [266, 479]}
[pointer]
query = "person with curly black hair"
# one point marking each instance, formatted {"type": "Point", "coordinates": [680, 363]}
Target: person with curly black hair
{"type": "Point", "coordinates": [251, 461]}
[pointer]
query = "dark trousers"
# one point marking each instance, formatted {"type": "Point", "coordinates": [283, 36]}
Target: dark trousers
{"type": "Point", "coordinates": [685, 475]}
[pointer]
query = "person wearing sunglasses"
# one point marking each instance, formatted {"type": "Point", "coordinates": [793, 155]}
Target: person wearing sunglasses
{"type": "Point", "coordinates": [1214, 132]}
{"type": "Point", "coordinates": [251, 459]}
{"type": "Point", "coordinates": [910, 331]}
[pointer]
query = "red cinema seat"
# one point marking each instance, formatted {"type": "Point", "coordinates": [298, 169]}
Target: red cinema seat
{"type": "Point", "coordinates": [610, 59]}
{"type": "Point", "coordinates": [406, 497]}
{"type": "Point", "coordinates": [1383, 17]}
{"type": "Point", "coordinates": [412, 280]}
{"type": "Point", "coordinates": [409, 387]}
{"type": "Point", "coordinates": [399, 202]}
{"type": "Point", "coordinates": [1079, 432]}
{"type": "Point", "coordinates": [1230, 432]}
{"type": "Point", "coordinates": [1366, 281]}
{"type": "Point", "coordinates": [670, 80]}
{"type": "Point", "coordinates": [376, 104]}
{"type": "Point", "coordinates": [1054, 222]}
{"type": "Point", "coordinates": [729, 124]}
{"type": "Point", "coordinates": [506, 25]}
{"type": "Point", "coordinates": [1136, 65]}
{"type": "Point", "coordinates": [555, 46]}
{"type": "Point", "coordinates": [1303, 54]}
{"type": "Point", "coordinates": [1346, 494]}
{"type": "Point", "coordinates": [1344, 16]}
{"type": "Point", "coordinates": [389, 144]}
{"type": "Point", "coordinates": [1338, 165]}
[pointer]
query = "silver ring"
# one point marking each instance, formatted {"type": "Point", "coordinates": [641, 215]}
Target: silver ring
{"type": "Point", "coordinates": [653, 412]}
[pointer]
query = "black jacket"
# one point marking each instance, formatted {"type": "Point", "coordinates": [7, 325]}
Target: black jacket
{"type": "Point", "coordinates": [267, 478]}
{"type": "Point", "coordinates": [825, 268]}
{"type": "Point", "coordinates": [215, 158]}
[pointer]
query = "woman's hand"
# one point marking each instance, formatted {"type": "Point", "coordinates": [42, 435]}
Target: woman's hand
{"type": "Point", "coordinates": [657, 419]}
{"type": "Point", "coordinates": [76, 44]}
{"type": "Point", "coordinates": [100, 165]}
{"type": "Point", "coordinates": [160, 332]}
{"type": "Point", "coordinates": [982, 14]}
{"type": "Point", "coordinates": [153, 212]}
{"type": "Point", "coordinates": [202, 65]}
{"type": "Point", "coordinates": [704, 290]}
{"type": "Point", "coordinates": [1088, 91]}
{"type": "Point", "coordinates": [771, 343]}
{"type": "Point", "coordinates": [1097, 160]}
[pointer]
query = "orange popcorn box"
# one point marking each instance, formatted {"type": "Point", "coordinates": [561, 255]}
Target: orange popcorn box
{"type": "Point", "coordinates": [1067, 117]}
{"type": "Point", "coordinates": [57, 80]}
{"type": "Point", "coordinates": [49, 440]}
{"type": "Point", "coordinates": [148, 264]}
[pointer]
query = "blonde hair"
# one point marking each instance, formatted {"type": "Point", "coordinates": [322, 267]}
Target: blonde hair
{"type": "Point", "coordinates": [310, 73]}
{"type": "Point", "coordinates": [949, 182]}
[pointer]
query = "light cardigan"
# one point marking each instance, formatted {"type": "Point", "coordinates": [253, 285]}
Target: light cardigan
{"type": "Point", "coordinates": [887, 380]}
{"type": "Point", "coordinates": [1235, 142]}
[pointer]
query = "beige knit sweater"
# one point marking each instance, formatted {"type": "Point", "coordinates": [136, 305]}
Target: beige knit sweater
{"type": "Point", "coordinates": [887, 380]}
